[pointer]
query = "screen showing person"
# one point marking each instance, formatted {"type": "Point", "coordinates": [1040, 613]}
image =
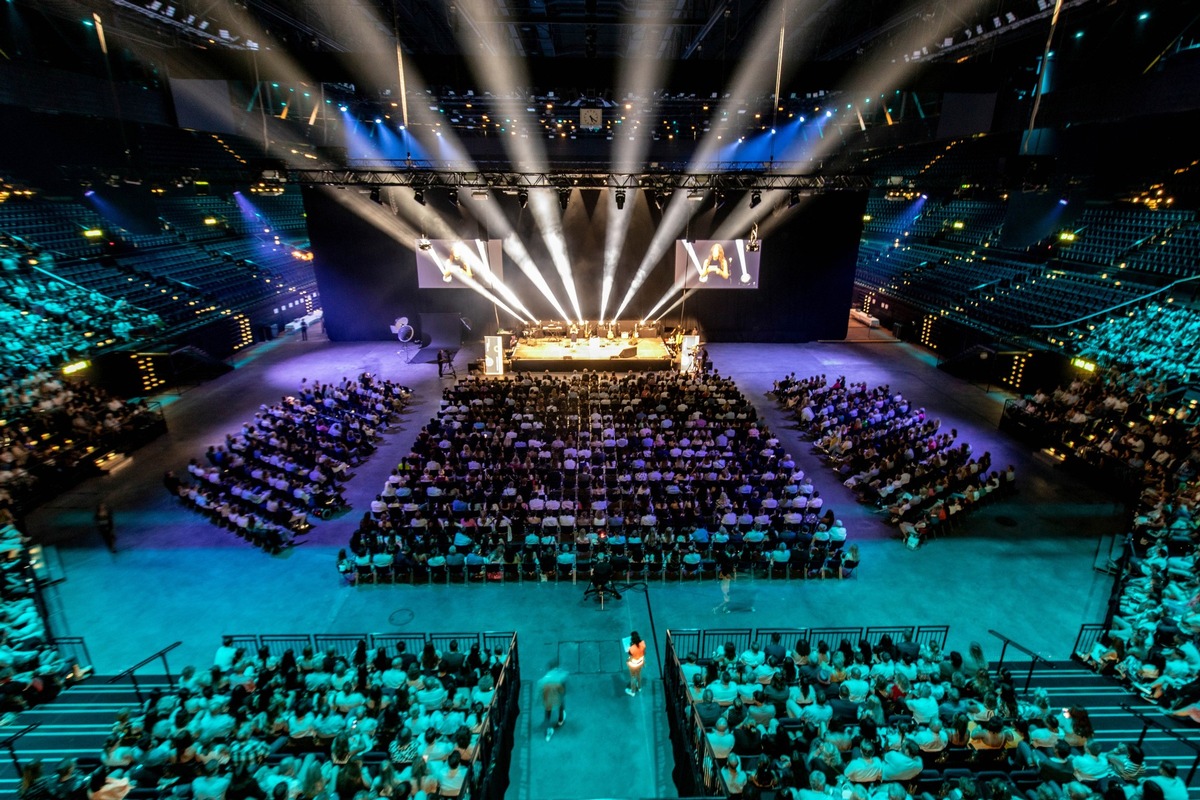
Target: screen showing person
{"type": "Point", "coordinates": [458, 263]}
{"type": "Point", "coordinates": [717, 264]}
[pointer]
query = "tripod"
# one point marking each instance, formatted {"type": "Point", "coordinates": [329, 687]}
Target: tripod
{"type": "Point", "coordinates": [446, 363]}
{"type": "Point", "coordinates": [602, 584]}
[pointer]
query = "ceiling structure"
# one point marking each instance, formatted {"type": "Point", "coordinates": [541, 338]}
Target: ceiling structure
{"type": "Point", "coordinates": [872, 64]}
{"type": "Point", "coordinates": [702, 30]}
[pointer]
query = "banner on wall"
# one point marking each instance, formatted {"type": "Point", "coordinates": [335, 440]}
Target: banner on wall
{"type": "Point", "coordinates": [717, 264]}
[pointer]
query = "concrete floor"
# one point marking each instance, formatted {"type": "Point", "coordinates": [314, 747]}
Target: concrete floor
{"type": "Point", "coordinates": [1022, 567]}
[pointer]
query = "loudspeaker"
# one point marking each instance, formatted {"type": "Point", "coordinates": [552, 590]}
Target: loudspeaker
{"type": "Point", "coordinates": [628, 352]}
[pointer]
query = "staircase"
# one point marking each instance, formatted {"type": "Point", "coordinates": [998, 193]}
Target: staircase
{"type": "Point", "coordinates": [75, 725]}
{"type": "Point", "coordinates": [1068, 683]}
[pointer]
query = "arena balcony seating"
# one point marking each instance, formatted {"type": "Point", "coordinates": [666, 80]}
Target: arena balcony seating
{"type": "Point", "coordinates": [157, 283]}
{"type": "Point", "coordinates": [1175, 254]}
{"type": "Point", "coordinates": [56, 226]}
{"type": "Point", "coordinates": [32, 661]}
{"type": "Point", "coordinates": [1107, 236]}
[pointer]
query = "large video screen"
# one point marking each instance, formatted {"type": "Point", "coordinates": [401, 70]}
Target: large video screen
{"type": "Point", "coordinates": [717, 264]}
{"type": "Point", "coordinates": [458, 263]}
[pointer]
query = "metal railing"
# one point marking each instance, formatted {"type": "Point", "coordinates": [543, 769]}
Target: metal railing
{"type": "Point", "coordinates": [9, 743]}
{"type": "Point", "coordinates": [1036, 657]}
{"type": "Point", "coordinates": [344, 644]}
{"type": "Point", "coordinates": [131, 672]}
{"type": "Point", "coordinates": [1089, 634]}
{"type": "Point", "coordinates": [706, 642]}
{"type": "Point", "coordinates": [1149, 722]}
{"type": "Point", "coordinates": [74, 649]}
{"type": "Point", "coordinates": [695, 762]}
{"type": "Point", "coordinates": [490, 782]}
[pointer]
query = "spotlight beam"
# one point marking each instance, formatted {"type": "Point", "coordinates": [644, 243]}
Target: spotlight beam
{"type": "Point", "coordinates": [368, 27]}
{"type": "Point", "coordinates": [749, 81]}
{"type": "Point", "coordinates": [431, 222]}
{"type": "Point", "coordinates": [494, 219]}
{"type": "Point", "coordinates": [500, 75]}
{"type": "Point", "coordinates": [637, 77]}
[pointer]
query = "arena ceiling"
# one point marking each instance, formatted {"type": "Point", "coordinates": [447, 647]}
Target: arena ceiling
{"type": "Point", "coordinates": [698, 30]}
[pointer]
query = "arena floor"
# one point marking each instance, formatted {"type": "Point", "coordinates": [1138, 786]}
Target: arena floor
{"type": "Point", "coordinates": [1022, 566]}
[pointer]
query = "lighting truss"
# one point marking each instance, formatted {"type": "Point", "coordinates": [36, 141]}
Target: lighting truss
{"type": "Point", "coordinates": [516, 181]}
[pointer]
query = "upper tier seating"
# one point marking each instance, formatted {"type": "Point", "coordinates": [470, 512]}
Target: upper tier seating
{"type": "Point", "coordinates": [1107, 235]}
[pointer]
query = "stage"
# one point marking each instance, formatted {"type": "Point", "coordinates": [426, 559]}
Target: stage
{"type": "Point", "coordinates": [539, 355]}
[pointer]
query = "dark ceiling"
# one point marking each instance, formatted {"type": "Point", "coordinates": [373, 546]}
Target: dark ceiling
{"type": "Point", "coordinates": [708, 30]}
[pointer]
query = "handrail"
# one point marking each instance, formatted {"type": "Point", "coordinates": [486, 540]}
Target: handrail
{"type": "Point", "coordinates": [1032, 664]}
{"type": "Point", "coordinates": [130, 672]}
{"type": "Point", "coordinates": [78, 649]}
{"type": "Point", "coordinates": [1137, 299]}
{"type": "Point", "coordinates": [1148, 721]}
{"type": "Point", "coordinates": [10, 744]}
{"type": "Point", "coordinates": [1089, 633]}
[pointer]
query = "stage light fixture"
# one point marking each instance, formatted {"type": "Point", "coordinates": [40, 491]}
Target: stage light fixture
{"type": "Point", "coordinates": [419, 196]}
{"type": "Point", "coordinates": [718, 199]}
{"type": "Point", "coordinates": [620, 197]}
{"type": "Point", "coordinates": [793, 199]}
{"type": "Point", "coordinates": [564, 198]}
{"type": "Point", "coordinates": [755, 198]}
{"type": "Point", "coordinates": [425, 244]}
{"type": "Point", "coordinates": [523, 198]}
{"type": "Point", "coordinates": [453, 196]}
{"type": "Point", "coordinates": [660, 199]}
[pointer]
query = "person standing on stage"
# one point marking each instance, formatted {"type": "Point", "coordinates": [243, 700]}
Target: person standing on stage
{"type": "Point", "coordinates": [636, 653]}
{"type": "Point", "coordinates": [553, 688]}
{"type": "Point", "coordinates": [442, 361]}
{"type": "Point", "coordinates": [303, 330]}
{"type": "Point", "coordinates": [104, 525]}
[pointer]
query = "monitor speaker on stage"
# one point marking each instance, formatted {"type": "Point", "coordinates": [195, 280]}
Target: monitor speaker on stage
{"type": "Point", "coordinates": [493, 355]}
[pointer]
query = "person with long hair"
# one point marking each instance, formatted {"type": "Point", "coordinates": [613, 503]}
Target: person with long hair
{"type": "Point", "coordinates": [636, 653]}
{"type": "Point", "coordinates": [1077, 726]}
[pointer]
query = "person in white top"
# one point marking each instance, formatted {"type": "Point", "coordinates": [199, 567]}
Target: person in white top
{"type": "Point", "coordinates": [720, 739]}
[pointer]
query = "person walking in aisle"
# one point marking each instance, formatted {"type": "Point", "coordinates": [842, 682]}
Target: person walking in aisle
{"type": "Point", "coordinates": [553, 689]}
{"type": "Point", "coordinates": [104, 524]}
{"type": "Point", "coordinates": [636, 652]}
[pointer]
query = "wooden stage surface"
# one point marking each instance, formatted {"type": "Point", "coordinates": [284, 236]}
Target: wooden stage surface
{"type": "Point", "coordinates": [599, 354]}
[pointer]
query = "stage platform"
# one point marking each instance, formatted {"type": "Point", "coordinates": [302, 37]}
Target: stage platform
{"type": "Point", "coordinates": [558, 355]}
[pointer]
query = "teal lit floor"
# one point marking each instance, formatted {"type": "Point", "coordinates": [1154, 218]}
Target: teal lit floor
{"type": "Point", "coordinates": [1022, 567]}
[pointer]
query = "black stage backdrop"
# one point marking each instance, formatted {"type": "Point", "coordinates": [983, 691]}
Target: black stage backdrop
{"type": "Point", "coordinates": [366, 270]}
